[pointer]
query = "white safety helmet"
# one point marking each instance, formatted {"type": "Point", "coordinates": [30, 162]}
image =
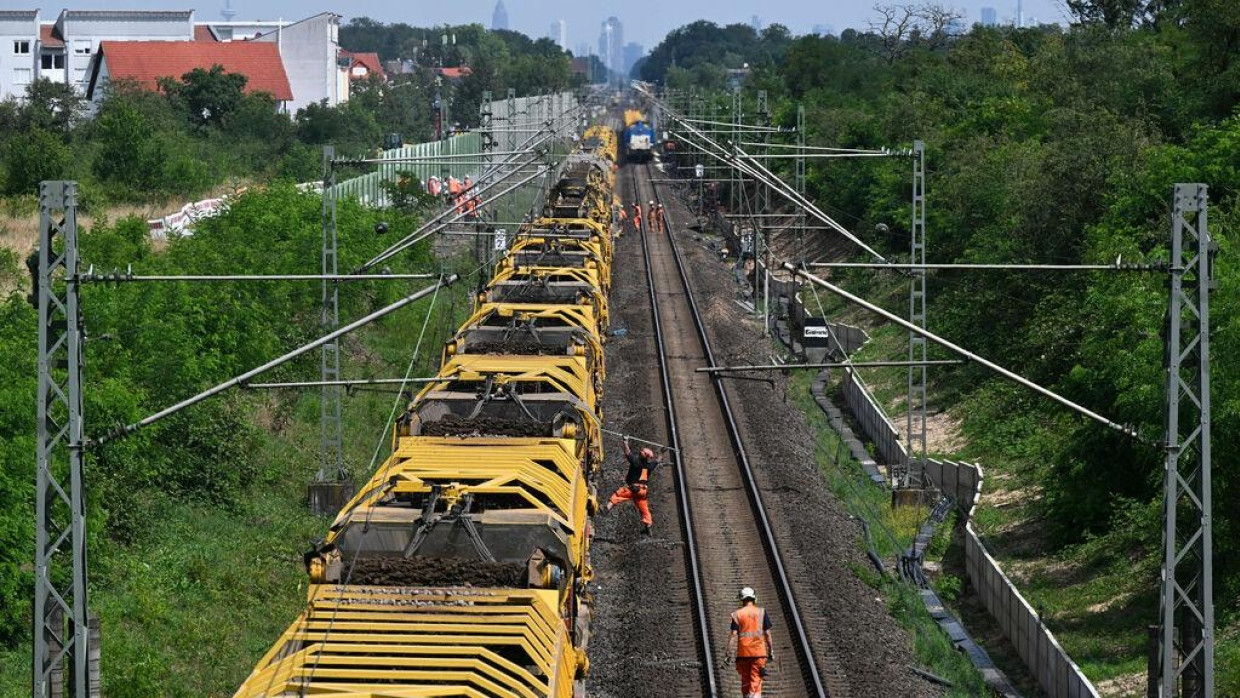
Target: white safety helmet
{"type": "Point", "coordinates": [748, 593]}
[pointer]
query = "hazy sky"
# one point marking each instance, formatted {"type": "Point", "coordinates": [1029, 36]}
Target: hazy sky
{"type": "Point", "coordinates": [645, 21]}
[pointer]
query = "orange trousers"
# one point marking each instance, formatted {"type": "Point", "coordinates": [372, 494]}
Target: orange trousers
{"type": "Point", "coordinates": [750, 669]}
{"type": "Point", "coordinates": [624, 493]}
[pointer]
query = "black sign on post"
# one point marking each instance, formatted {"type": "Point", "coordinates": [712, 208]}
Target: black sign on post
{"type": "Point", "coordinates": [815, 333]}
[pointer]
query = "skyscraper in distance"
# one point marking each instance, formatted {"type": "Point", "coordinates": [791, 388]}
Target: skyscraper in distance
{"type": "Point", "coordinates": [990, 17]}
{"type": "Point", "coordinates": [499, 18]}
{"type": "Point", "coordinates": [611, 45]}
{"type": "Point", "coordinates": [559, 33]}
{"type": "Point", "coordinates": [633, 52]}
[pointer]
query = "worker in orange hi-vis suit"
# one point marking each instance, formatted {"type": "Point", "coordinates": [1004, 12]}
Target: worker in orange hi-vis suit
{"type": "Point", "coordinates": [637, 483]}
{"type": "Point", "coordinates": [454, 193]}
{"type": "Point", "coordinates": [750, 643]}
{"type": "Point", "coordinates": [637, 217]}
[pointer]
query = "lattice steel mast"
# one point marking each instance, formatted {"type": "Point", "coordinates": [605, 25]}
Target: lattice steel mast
{"type": "Point", "coordinates": [331, 427]}
{"type": "Point", "coordinates": [61, 606]}
{"type": "Point", "coordinates": [1187, 594]}
{"type": "Point", "coordinates": [915, 432]}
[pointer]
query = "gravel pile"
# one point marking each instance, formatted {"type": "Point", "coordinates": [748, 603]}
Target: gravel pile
{"type": "Point", "coordinates": [452, 425]}
{"type": "Point", "coordinates": [435, 572]}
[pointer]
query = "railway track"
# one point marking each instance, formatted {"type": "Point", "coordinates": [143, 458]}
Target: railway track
{"type": "Point", "coordinates": [730, 542]}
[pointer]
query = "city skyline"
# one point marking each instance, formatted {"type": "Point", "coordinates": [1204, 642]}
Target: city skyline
{"type": "Point", "coordinates": [646, 22]}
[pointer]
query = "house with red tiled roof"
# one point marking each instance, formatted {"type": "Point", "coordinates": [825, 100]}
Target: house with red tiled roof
{"type": "Point", "coordinates": [145, 62]}
{"type": "Point", "coordinates": [455, 74]}
{"type": "Point", "coordinates": [315, 68]}
{"type": "Point", "coordinates": [363, 65]}
{"type": "Point", "coordinates": [62, 50]}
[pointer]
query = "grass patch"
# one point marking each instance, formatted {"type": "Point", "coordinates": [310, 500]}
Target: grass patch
{"type": "Point", "coordinates": [1227, 661]}
{"type": "Point", "coordinates": [849, 483]}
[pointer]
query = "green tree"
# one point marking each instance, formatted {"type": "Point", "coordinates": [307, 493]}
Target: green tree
{"type": "Point", "coordinates": [206, 96]}
{"type": "Point", "coordinates": [348, 127]}
{"type": "Point", "coordinates": [128, 156]}
{"type": "Point", "coordinates": [52, 106]}
{"type": "Point", "coordinates": [37, 155]}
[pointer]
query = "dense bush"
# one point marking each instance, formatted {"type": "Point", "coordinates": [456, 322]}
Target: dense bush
{"type": "Point", "coordinates": [154, 344]}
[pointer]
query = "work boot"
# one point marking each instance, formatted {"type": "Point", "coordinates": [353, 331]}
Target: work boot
{"type": "Point", "coordinates": [649, 529]}
{"type": "Point", "coordinates": [608, 507]}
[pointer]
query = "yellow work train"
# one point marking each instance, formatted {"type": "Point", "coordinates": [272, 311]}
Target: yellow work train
{"type": "Point", "coordinates": [460, 567]}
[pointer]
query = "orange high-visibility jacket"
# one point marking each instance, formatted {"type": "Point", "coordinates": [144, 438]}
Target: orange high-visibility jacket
{"type": "Point", "coordinates": [750, 622]}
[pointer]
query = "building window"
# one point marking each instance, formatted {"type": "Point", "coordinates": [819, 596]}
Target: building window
{"type": "Point", "coordinates": [22, 47]}
{"type": "Point", "coordinates": [21, 76]}
{"type": "Point", "coordinates": [81, 47]}
{"type": "Point", "coordinates": [52, 61]}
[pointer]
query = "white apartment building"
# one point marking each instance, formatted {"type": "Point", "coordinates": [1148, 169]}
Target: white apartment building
{"type": "Point", "coordinates": [64, 50]}
{"type": "Point", "coordinates": [317, 69]}
{"type": "Point", "coordinates": [19, 50]}
{"type": "Point", "coordinates": [80, 32]}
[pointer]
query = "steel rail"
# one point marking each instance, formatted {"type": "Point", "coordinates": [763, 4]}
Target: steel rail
{"type": "Point", "coordinates": [780, 573]}
{"type": "Point", "coordinates": [682, 487]}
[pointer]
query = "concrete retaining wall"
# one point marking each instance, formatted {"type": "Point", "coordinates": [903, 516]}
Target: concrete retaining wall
{"type": "Point", "coordinates": [874, 422]}
{"type": "Point", "coordinates": [1036, 645]}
